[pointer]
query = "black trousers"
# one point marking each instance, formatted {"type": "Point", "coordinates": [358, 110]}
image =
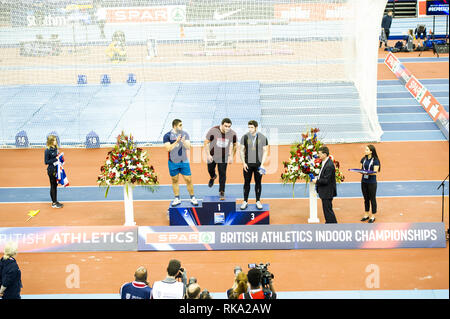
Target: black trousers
{"type": "Point", "coordinates": [327, 206]}
{"type": "Point", "coordinates": [369, 191]}
{"type": "Point", "coordinates": [53, 186]}
{"type": "Point", "coordinates": [252, 170]}
{"type": "Point", "coordinates": [222, 168]}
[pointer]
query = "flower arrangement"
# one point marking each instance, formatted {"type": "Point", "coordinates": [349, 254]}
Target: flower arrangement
{"type": "Point", "coordinates": [127, 164]}
{"type": "Point", "coordinates": [304, 163]}
{"type": "Point", "coordinates": [339, 176]}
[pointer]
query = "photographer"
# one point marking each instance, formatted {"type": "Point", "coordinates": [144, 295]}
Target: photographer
{"type": "Point", "coordinates": [193, 290]}
{"type": "Point", "coordinates": [205, 294]}
{"type": "Point", "coordinates": [258, 278]}
{"type": "Point", "coordinates": [174, 286]}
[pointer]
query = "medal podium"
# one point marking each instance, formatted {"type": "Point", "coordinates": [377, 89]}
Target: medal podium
{"type": "Point", "coordinates": [213, 211]}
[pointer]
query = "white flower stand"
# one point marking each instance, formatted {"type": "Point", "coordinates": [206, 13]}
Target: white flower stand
{"type": "Point", "coordinates": [128, 203]}
{"type": "Point", "coordinates": [312, 204]}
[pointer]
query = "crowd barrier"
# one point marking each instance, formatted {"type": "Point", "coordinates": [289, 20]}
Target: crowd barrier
{"type": "Point", "coordinates": [429, 103]}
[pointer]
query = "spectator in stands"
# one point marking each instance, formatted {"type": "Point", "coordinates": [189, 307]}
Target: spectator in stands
{"type": "Point", "coordinates": [51, 157]}
{"type": "Point", "coordinates": [174, 286]}
{"type": "Point", "coordinates": [410, 39]}
{"type": "Point", "coordinates": [421, 32]}
{"type": "Point", "coordinates": [240, 286]}
{"type": "Point", "coordinates": [137, 289]}
{"type": "Point", "coordinates": [10, 274]}
{"type": "Point", "coordinates": [217, 147]}
{"type": "Point", "coordinates": [256, 291]}
{"type": "Point", "coordinates": [386, 27]}
{"type": "Point", "coordinates": [193, 291]}
{"type": "Point", "coordinates": [100, 15]}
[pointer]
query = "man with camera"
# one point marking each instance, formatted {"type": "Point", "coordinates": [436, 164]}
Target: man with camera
{"type": "Point", "coordinates": [193, 290]}
{"type": "Point", "coordinates": [260, 280]}
{"type": "Point", "coordinates": [174, 286]}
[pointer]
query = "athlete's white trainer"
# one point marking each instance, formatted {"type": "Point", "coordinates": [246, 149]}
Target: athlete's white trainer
{"type": "Point", "coordinates": [194, 201]}
{"type": "Point", "coordinates": [176, 202]}
{"type": "Point", "coordinates": [259, 205]}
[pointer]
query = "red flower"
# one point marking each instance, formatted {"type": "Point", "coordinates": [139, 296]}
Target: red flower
{"type": "Point", "coordinates": [337, 164]}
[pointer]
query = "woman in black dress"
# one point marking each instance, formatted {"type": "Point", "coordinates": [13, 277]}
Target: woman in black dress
{"type": "Point", "coordinates": [370, 162]}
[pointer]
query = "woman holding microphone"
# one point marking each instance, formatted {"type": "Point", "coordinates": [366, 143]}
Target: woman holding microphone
{"type": "Point", "coordinates": [370, 162]}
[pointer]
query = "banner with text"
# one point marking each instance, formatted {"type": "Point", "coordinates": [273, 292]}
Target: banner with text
{"type": "Point", "coordinates": [303, 12]}
{"type": "Point", "coordinates": [162, 14]}
{"type": "Point", "coordinates": [429, 103]}
{"type": "Point", "coordinates": [65, 238]}
{"type": "Point", "coordinates": [301, 236]}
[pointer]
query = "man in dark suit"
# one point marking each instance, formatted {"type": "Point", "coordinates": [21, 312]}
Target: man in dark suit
{"type": "Point", "coordinates": [326, 184]}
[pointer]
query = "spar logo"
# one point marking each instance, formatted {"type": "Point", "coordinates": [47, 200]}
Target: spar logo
{"type": "Point", "coordinates": [181, 238]}
{"type": "Point", "coordinates": [178, 14]}
{"type": "Point", "coordinates": [163, 14]}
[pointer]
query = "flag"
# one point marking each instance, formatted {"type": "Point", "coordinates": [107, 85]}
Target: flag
{"type": "Point", "coordinates": [61, 176]}
{"type": "Point", "coordinates": [32, 213]}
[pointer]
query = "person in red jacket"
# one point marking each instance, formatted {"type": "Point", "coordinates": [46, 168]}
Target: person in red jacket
{"type": "Point", "coordinates": [254, 277]}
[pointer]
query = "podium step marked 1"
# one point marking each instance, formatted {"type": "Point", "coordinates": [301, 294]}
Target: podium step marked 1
{"type": "Point", "coordinates": [213, 211]}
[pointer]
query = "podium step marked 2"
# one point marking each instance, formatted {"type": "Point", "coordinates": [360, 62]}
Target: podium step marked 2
{"type": "Point", "coordinates": [213, 211]}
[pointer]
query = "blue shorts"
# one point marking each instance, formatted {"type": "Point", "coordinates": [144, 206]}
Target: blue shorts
{"type": "Point", "coordinates": [179, 168]}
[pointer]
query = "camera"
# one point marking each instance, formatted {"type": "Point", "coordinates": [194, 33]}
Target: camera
{"type": "Point", "coordinates": [180, 274]}
{"type": "Point", "coordinates": [205, 294]}
{"type": "Point", "coordinates": [266, 275]}
{"type": "Point", "coordinates": [192, 280]}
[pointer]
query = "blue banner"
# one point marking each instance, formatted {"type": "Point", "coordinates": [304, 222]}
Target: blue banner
{"type": "Point", "coordinates": [300, 236]}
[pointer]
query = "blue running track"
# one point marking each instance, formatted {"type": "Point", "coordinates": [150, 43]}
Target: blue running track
{"type": "Point", "coordinates": [164, 192]}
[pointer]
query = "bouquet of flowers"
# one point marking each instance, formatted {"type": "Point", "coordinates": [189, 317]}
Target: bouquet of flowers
{"type": "Point", "coordinates": [127, 164]}
{"type": "Point", "coordinates": [304, 163]}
